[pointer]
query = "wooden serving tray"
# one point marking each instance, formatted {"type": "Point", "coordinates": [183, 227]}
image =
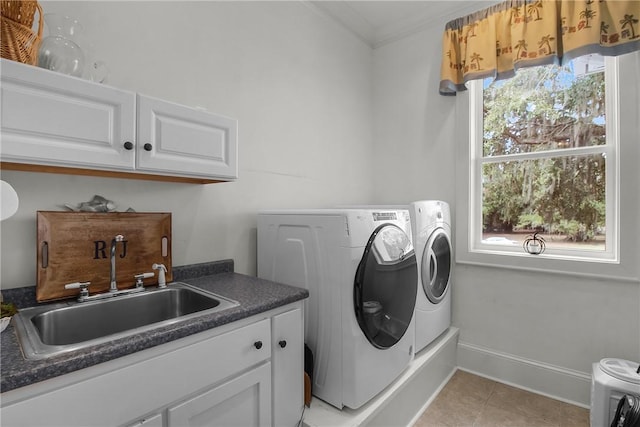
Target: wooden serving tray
{"type": "Point", "coordinates": [75, 247]}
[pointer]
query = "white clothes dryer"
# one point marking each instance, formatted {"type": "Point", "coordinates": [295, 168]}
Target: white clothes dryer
{"type": "Point", "coordinates": [430, 223]}
{"type": "Point", "coordinates": [360, 269]}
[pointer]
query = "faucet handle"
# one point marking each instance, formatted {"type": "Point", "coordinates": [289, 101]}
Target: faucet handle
{"type": "Point", "coordinates": [162, 282]}
{"type": "Point", "coordinates": [140, 277]}
{"type": "Point", "coordinates": [83, 286]}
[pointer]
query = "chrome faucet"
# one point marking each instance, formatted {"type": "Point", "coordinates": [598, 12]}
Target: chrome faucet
{"type": "Point", "coordinates": [112, 272]}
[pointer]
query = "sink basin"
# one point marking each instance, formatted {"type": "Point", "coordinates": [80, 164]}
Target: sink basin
{"type": "Point", "coordinates": [57, 328]}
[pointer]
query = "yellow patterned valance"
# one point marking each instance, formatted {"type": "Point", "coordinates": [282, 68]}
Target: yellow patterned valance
{"type": "Point", "coordinates": [496, 41]}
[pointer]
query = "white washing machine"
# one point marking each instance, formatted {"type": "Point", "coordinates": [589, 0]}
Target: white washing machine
{"type": "Point", "coordinates": [360, 269]}
{"type": "Point", "coordinates": [431, 226]}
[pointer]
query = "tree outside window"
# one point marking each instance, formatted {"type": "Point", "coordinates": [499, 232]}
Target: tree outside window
{"type": "Point", "coordinates": [544, 157]}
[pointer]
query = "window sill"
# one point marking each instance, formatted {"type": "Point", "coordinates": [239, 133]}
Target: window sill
{"type": "Point", "coordinates": [554, 264]}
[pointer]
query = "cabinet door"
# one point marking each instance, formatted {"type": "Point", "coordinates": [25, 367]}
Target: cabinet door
{"type": "Point", "coordinates": [57, 120]}
{"type": "Point", "coordinates": [288, 368]}
{"type": "Point", "coordinates": [178, 140]}
{"type": "Point", "coordinates": [163, 377]}
{"type": "Point", "coordinates": [152, 421]}
{"type": "Point", "coordinates": [242, 401]}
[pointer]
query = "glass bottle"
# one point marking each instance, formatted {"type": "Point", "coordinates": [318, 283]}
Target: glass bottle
{"type": "Point", "coordinates": [60, 51]}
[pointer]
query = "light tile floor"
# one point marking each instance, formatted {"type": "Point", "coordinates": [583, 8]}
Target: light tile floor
{"type": "Point", "coordinates": [468, 400]}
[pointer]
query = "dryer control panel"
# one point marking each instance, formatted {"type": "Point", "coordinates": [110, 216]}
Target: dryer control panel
{"type": "Point", "coordinates": [384, 216]}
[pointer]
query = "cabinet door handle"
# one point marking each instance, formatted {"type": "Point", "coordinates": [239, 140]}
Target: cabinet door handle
{"type": "Point", "coordinates": [282, 343]}
{"type": "Point", "coordinates": [128, 145]}
{"type": "Point", "coordinates": [258, 344]}
{"type": "Point", "coordinates": [147, 147]}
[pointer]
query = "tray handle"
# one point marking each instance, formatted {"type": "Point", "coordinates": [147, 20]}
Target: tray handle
{"type": "Point", "coordinates": [44, 254]}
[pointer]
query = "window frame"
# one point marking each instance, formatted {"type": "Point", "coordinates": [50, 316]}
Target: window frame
{"type": "Point", "coordinates": [609, 263]}
{"type": "Point", "coordinates": [610, 149]}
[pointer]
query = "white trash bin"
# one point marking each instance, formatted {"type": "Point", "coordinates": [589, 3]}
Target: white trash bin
{"type": "Point", "coordinates": [611, 379]}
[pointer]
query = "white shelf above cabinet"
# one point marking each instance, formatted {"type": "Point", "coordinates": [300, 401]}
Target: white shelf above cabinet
{"type": "Point", "coordinates": [57, 123]}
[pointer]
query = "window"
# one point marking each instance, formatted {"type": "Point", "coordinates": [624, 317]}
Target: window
{"type": "Point", "coordinates": [544, 160]}
{"type": "Point", "coordinates": [619, 259]}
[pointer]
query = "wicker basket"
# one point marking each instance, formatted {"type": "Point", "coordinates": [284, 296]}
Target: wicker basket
{"type": "Point", "coordinates": [18, 42]}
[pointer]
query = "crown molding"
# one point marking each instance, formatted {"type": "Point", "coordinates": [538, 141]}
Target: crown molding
{"type": "Point", "coordinates": [344, 15]}
{"type": "Point", "coordinates": [394, 31]}
{"type": "Point", "coordinates": [434, 13]}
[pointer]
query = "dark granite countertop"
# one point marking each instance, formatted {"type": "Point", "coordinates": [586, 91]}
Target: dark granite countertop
{"type": "Point", "coordinates": [254, 295]}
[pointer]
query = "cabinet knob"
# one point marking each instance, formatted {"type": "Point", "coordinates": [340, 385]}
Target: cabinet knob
{"type": "Point", "coordinates": [258, 344]}
{"type": "Point", "coordinates": [128, 145]}
{"type": "Point", "coordinates": [147, 147]}
{"type": "Point", "coordinates": [282, 343]}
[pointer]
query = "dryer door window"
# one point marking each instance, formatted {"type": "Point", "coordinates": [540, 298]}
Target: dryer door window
{"type": "Point", "coordinates": [385, 286]}
{"type": "Point", "coordinates": [436, 266]}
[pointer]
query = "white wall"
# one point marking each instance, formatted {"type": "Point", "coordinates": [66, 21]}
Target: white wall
{"type": "Point", "coordinates": [414, 125]}
{"type": "Point", "coordinates": [299, 85]}
{"type": "Point", "coordinates": [537, 330]}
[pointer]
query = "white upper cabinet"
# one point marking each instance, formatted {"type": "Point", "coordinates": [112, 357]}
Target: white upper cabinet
{"type": "Point", "coordinates": [56, 121]}
{"type": "Point", "coordinates": [173, 139]}
{"type": "Point", "coordinates": [52, 119]}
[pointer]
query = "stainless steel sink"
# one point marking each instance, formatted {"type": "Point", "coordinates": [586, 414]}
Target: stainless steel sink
{"type": "Point", "coordinates": [57, 328]}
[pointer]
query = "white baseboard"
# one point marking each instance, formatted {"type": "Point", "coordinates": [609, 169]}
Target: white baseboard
{"type": "Point", "coordinates": [549, 380]}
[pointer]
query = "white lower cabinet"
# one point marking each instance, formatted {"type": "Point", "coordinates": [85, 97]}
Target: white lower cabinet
{"type": "Point", "coordinates": [288, 364]}
{"type": "Point", "coordinates": [240, 374]}
{"type": "Point", "coordinates": [243, 401]}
